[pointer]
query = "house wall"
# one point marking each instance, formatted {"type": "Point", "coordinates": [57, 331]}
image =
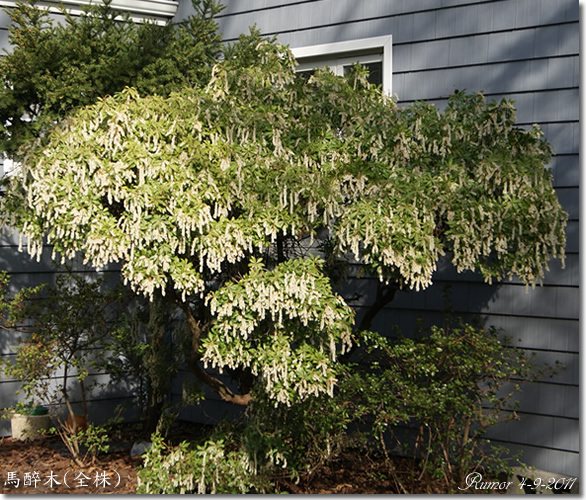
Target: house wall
{"type": "Point", "coordinates": [524, 50]}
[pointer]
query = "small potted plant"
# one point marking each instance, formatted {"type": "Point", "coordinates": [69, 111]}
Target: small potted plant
{"type": "Point", "coordinates": [68, 323]}
{"type": "Point", "coordinates": [29, 421]}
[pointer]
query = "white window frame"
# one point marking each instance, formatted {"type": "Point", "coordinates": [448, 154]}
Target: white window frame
{"type": "Point", "coordinates": [7, 167]}
{"type": "Point", "coordinates": [339, 54]}
{"type": "Point", "coordinates": [138, 10]}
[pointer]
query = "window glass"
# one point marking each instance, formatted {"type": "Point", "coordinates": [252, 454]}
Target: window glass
{"type": "Point", "coordinates": [375, 72]}
{"type": "Point", "coordinates": [305, 74]}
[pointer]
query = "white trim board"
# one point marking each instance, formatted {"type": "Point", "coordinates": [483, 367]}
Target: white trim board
{"type": "Point", "coordinates": [139, 10]}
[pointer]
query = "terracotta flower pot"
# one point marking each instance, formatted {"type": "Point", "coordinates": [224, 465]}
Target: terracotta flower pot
{"type": "Point", "coordinates": [79, 425]}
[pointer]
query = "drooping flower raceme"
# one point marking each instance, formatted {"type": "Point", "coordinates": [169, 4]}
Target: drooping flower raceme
{"type": "Point", "coordinates": [186, 191]}
{"type": "Point", "coordinates": [285, 325]}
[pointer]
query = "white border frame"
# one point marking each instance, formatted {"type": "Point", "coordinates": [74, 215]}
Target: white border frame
{"type": "Point", "coordinates": [345, 49]}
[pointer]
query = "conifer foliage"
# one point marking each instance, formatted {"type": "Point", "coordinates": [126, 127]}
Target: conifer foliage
{"type": "Point", "coordinates": [55, 67]}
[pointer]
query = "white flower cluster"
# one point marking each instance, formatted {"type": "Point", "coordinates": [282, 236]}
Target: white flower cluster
{"type": "Point", "coordinates": [181, 187]}
{"type": "Point", "coordinates": [140, 201]}
{"type": "Point", "coordinates": [392, 237]}
{"type": "Point", "coordinates": [227, 240]}
{"type": "Point", "coordinates": [278, 323]}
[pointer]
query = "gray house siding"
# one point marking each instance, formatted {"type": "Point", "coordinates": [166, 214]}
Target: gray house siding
{"type": "Point", "coordinates": [524, 50]}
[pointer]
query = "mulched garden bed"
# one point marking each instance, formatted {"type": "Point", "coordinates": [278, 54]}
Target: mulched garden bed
{"type": "Point", "coordinates": [44, 466]}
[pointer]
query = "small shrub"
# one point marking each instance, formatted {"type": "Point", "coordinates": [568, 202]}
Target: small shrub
{"type": "Point", "coordinates": [67, 324]}
{"type": "Point", "coordinates": [95, 441]}
{"type": "Point", "coordinates": [451, 385]}
{"type": "Point", "coordinates": [299, 438]}
{"type": "Point", "coordinates": [212, 467]}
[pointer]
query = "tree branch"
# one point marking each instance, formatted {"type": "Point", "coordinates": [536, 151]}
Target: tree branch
{"type": "Point", "coordinates": [216, 384]}
{"type": "Point", "coordinates": [194, 362]}
{"type": "Point", "coordinates": [384, 295]}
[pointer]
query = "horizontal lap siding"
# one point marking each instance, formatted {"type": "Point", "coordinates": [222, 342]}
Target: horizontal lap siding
{"type": "Point", "coordinates": [410, 22]}
{"type": "Point", "coordinates": [27, 272]}
{"type": "Point", "coordinates": [524, 50]}
{"type": "Point", "coordinates": [105, 397]}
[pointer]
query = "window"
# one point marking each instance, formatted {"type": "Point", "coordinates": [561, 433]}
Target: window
{"type": "Point", "coordinates": [373, 53]}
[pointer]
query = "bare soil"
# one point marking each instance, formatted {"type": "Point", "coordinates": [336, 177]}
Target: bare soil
{"type": "Point", "coordinates": [56, 473]}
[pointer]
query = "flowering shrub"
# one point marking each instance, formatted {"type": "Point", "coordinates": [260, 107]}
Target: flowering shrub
{"type": "Point", "coordinates": [191, 190]}
{"type": "Point", "coordinates": [207, 468]}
